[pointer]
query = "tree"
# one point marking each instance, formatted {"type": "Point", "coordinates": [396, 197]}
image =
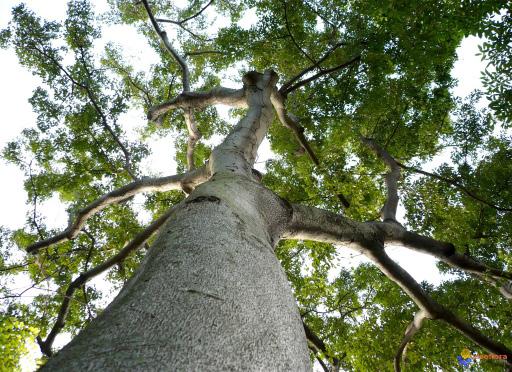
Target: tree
{"type": "Point", "coordinates": [368, 83]}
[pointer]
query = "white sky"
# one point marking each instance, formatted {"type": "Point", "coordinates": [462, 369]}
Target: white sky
{"type": "Point", "coordinates": [18, 85]}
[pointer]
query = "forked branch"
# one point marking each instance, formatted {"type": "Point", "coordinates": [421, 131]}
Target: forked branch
{"type": "Point", "coordinates": [318, 75]}
{"type": "Point", "coordinates": [187, 100]}
{"type": "Point", "coordinates": [393, 164]}
{"type": "Point", "coordinates": [310, 223]}
{"type": "Point", "coordinates": [316, 65]}
{"type": "Point", "coordinates": [182, 181]}
{"type": "Point", "coordinates": [139, 240]}
{"type": "Point", "coordinates": [369, 238]}
{"type": "Point", "coordinates": [444, 251]}
{"type": "Point", "coordinates": [193, 133]}
{"type": "Point", "coordinates": [431, 308]}
{"type": "Point", "coordinates": [185, 20]}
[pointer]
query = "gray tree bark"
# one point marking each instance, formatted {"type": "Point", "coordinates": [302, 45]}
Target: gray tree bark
{"type": "Point", "coordinates": [210, 294]}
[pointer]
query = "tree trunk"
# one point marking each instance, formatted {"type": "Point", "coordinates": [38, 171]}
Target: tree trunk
{"type": "Point", "coordinates": [210, 294]}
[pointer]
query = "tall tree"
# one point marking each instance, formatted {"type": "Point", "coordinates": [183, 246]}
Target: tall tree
{"type": "Point", "coordinates": [240, 269]}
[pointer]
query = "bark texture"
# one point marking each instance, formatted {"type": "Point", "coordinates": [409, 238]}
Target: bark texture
{"type": "Point", "coordinates": [210, 294]}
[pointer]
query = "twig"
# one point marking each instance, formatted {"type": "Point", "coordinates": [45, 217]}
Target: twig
{"type": "Point", "coordinates": [457, 185]}
{"type": "Point", "coordinates": [287, 24]}
{"type": "Point", "coordinates": [318, 75]}
{"type": "Point", "coordinates": [200, 52]}
{"type": "Point", "coordinates": [163, 36]}
{"type": "Point", "coordinates": [287, 84]}
{"type": "Point", "coordinates": [197, 14]}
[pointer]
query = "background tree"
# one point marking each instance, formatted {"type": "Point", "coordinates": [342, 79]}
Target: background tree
{"type": "Point", "coordinates": [362, 103]}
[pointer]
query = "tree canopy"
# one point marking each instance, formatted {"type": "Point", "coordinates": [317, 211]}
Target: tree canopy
{"type": "Point", "coordinates": [369, 85]}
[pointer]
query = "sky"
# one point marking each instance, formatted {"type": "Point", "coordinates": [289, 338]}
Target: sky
{"type": "Point", "coordinates": [18, 85]}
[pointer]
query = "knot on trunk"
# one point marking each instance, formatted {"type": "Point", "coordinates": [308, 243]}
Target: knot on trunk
{"type": "Point", "coordinates": [200, 199]}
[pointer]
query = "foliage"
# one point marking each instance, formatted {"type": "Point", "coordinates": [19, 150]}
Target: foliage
{"type": "Point", "coordinates": [397, 92]}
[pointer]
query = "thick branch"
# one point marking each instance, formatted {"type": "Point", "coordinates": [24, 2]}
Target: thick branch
{"type": "Point", "coordinates": [291, 122]}
{"type": "Point", "coordinates": [319, 225]}
{"type": "Point", "coordinates": [410, 331]}
{"type": "Point", "coordinates": [432, 309]}
{"type": "Point", "coordinates": [446, 252]}
{"type": "Point", "coordinates": [392, 177]}
{"type": "Point", "coordinates": [177, 182]}
{"type": "Point", "coordinates": [193, 136]}
{"type": "Point", "coordinates": [218, 95]}
{"type": "Point", "coordinates": [140, 239]}
{"type": "Point", "coordinates": [310, 223]}
{"type": "Point", "coordinates": [238, 151]}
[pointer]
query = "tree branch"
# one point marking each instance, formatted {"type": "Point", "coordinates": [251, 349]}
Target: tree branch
{"type": "Point", "coordinates": [319, 225]}
{"type": "Point", "coordinates": [288, 83]}
{"type": "Point", "coordinates": [431, 308]}
{"type": "Point", "coordinates": [194, 134]}
{"type": "Point", "coordinates": [90, 95]}
{"type": "Point", "coordinates": [390, 206]}
{"type": "Point", "coordinates": [163, 36]}
{"type": "Point", "coordinates": [456, 184]}
{"type": "Point", "coordinates": [318, 75]}
{"type": "Point", "coordinates": [218, 95]}
{"type": "Point", "coordinates": [291, 122]}
{"type": "Point", "coordinates": [239, 149]}
{"type": "Point", "coordinates": [200, 52]}
{"type": "Point", "coordinates": [447, 253]}
{"type": "Point", "coordinates": [182, 181]}
{"type": "Point", "coordinates": [138, 240]}
{"type": "Point", "coordinates": [410, 331]}
{"type": "Point", "coordinates": [319, 346]}
{"type": "Point", "coordinates": [287, 24]}
{"type": "Point", "coordinates": [310, 223]}
{"type": "Point", "coordinates": [103, 117]}
{"type": "Point", "coordinates": [195, 15]}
